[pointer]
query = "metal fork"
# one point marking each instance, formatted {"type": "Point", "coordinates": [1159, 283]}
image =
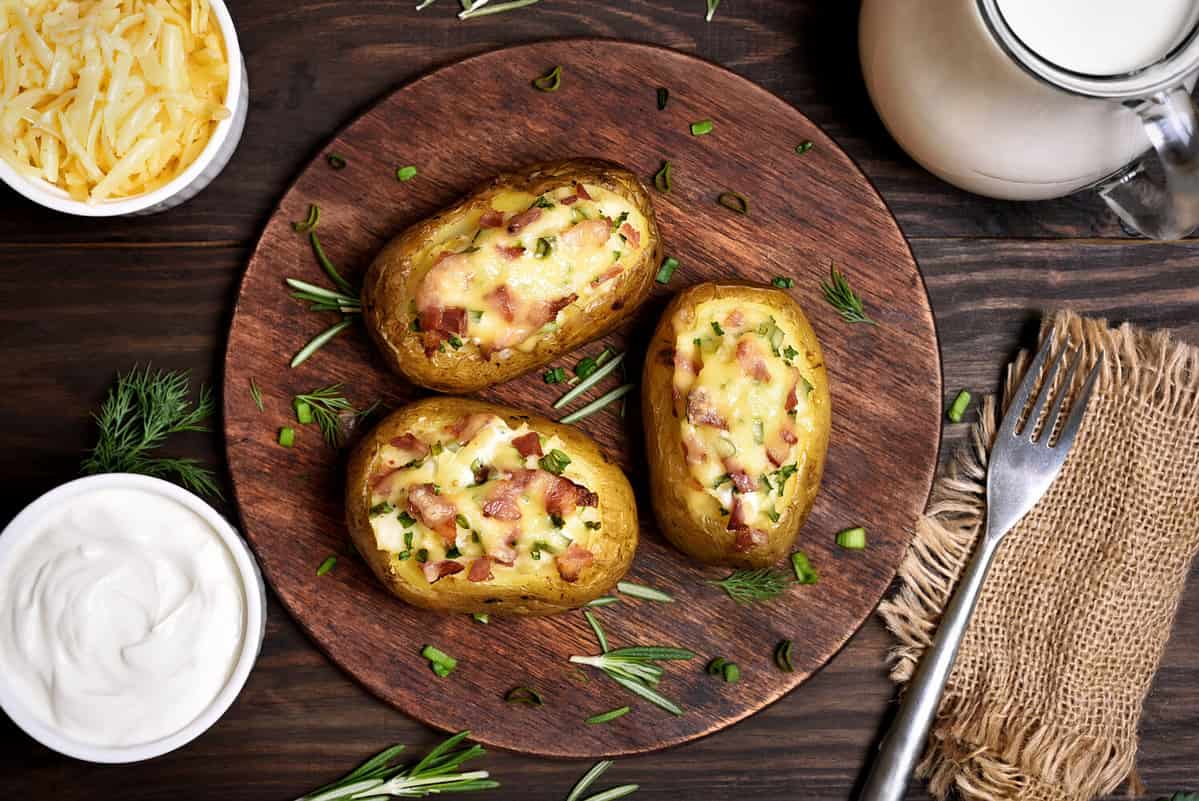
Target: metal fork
{"type": "Point", "coordinates": [1025, 459]}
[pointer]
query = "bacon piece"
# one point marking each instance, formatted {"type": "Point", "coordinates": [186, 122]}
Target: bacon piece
{"type": "Point", "coordinates": [788, 436]}
{"type": "Point", "coordinates": [569, 201]}
{"type": "Point", "coordinates": [748, 539]}
{"type": "Point", "coordinates": [465, 427]}
{"type": "Point", "coordinates": [505, 553]}
{"type": "Point", "coordinates": [685, 364]}
{"type": "Point", "coordinates": [511, 252]}
{"type": "Point", "coordinates": [741, 479]}
{"type": "Point", "coordinates": [700, 411]}
{"type": "Point", "coordinates": [737, 519]}
{"type": "Point", "coordinates": [501, 299]}
{"type": "Point", "coordinates": [382, 483]}
{"type": "Point", "coordinates": [588, 234]}
{"type": "Point", "coordinates": [777, 452]}
{"type": "Point", "coordinates": [581, 192]}
{"type": "Point", "coordinates": [562, 496]}
{"type": "Point", "coordinates": [409, 443]}
{"type": "Point", "coordinates": [528, 445]}
{"type": "Point", "coordinates": [491, 219]}
{"type": "Point", "coordinates": [453, 320]}
{"type": "Point", "coordinates": [792, 393]}
{"type": "Point", "coordinates": [693, 450]}
{"type": "Point", "coordinates": [435, 571]}
{"type": "Point", "coordinates": [501, 500]}
{"type": "Point", "coordinates": [480, 569]}
{"type": "Point", "coordinates": [545, 311]}
{"type": "Point", "coordinates": [526, 217]}
{"type": "Point", "coordinates": [434, 511]}
{"type": "Point", "coordinates": [608, 275]}
{"type": "Point", "coordinates": [572, 562]}
{"type": "Point", "coordinates": [751, 360]}
{"type": "Point", "coordinates": [631, 234]}
{"type": "Point", "coordinates": [735, 319]}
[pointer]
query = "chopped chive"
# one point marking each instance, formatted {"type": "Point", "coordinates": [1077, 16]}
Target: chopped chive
{"type": "Point", "coordinates": [804, 147]}
{"type": "Point", "coordinates": [544, 248]}
{"type": "Point", "coordinates": [476, 315]}
{"type": "Point", "coordinates": [715, 666]}
{"type": "Point", "coordinates": [643, 592]}
{"type": "Point", "coordinates": [438, 658]}
{"type": "Point", "coordinates": [303, 411]}
{"type": "Point", "coordinates": [524, 695]}
{"type": "Point", "coordinates": [782, 282]}
{"type": "Point", "coordinates": [318, 341]}
{"type": "Point", "coordinates": [256, 395]}
{"type": "Point", "coordinates": [461, 521]}
{"type": "Point", "coordinates": [611, 714]}
{"type": "Point", "coordinates": [422, 555]}
{"type": "Point", "coordinates": [853, 539]}
{"type": "Point", "coordinates": [550, 81]}
{"type": "Point", "coordinates": [603, 600]}
{"type": "Point", "coordinates": [598, 403]}
{"type": "Point", "coordinates": [804, 572]}
{"type": "Point", "coordinates": [287, 437]}
{"type": "Point", "coordinates": [604, 355]}
{"type": "Point", "coordinates": [702, 128]}
{"type": "Point", "coordinates": [336, 161]}
{"type": "Point", "coordinates": [598, 629]}
{"type": "Point", "coordinates": [481, 617]}
{"type": "Point", "coordinates": [662, 178]}
{"type": "Point", "coordinates": [958, 407]}
{"type": "Point", "coordinates": [382, 508]}
{"type": "Point", "coordinates": [586, 366]}
{"type": "Point", "coordinates": [326, 565]}
{"type": "Point", "coordinates": [717, 328]}
{"type": "Point", "coordinates": [554, 462]}
{"type": "Point", "coordinates": [309, 222]}
{"type": "Point", "coordinates": [734, 201]}
{"type": "Point", "coordinates": [663, 97]}
{"type": "Point", "coordinates": [590, 381]}
{"type": "Point", "coordinates": [407, 521]}
{"type": "Point", "coordinates": [554, 375]}
{"type": "Point", "coordinates": [731, 673]}
{"type": "Point", "coordinates": [405, 173]}
{"type": "Point", "coordinates": [666, 271]}
{"type": "Point", "coordinates": [782, 656]}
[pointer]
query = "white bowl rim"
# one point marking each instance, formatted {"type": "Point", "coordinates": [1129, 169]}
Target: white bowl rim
{"type": "Point", "coordinates": [46, 194]}
{"type": "Point", "coordinates": [252, 589]}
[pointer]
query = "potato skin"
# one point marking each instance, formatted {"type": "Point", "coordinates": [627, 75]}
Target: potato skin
{"type": "Point", "coordinates": [705, 537]}
{"type": "Point", "coordinates": [391, 283]}
{"type": "Point", "coordinates": [540, 594]}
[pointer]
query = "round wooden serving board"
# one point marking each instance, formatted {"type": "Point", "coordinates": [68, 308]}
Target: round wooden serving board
{"type": "Point", "coordinates": [460, 125]}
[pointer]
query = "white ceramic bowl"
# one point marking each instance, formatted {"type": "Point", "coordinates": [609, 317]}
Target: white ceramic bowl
{"type": "Point", "coordinates": [187, 184]}
{"type": "Point", "coordinates": [253, 590]}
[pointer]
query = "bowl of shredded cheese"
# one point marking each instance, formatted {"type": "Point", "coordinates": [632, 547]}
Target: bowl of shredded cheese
{"type": "Point", "coordinates": [117, 107]}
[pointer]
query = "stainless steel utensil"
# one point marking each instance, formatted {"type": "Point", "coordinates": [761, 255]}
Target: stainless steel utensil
{"type": "Point", "coordinates": [1025, 459]}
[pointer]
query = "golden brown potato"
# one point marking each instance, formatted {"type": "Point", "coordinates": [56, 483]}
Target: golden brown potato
{"type": "Point", "coordinates": [529, 266]}
{"type": "Point", "coordinates": [464, 506]}
{"type": "Point", "coordinates": [736, 411]}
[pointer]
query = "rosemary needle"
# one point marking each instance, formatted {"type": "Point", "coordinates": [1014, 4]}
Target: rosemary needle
{"type": "Point", "coordinates": [611, 714]}
{"type": "Point", "coordinates": [598, 403]}
{"type": "Point", "coordinates": [318, 341]}
{"type": "Point", "coordinates": [645, 593]}
{"type": "Point", "coordinates": [590, 381]}
{"type": "Point", "coordinates": [498, 8]}
{"type": "Point", "coordinates": [588, 779]}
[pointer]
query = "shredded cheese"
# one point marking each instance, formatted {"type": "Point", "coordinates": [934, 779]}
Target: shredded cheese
{"type": "Point", "coordinates": [108, 98]}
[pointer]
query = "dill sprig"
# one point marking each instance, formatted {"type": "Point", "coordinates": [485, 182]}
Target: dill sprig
{"type": "Point", "coordinates": [842, 298]}
{"type": "Point", "coordinates": [330, 409]}
{"type": "Point", "coordinates": [750, 586]}
{"type": "Point", "coordinates": [141, 410]}
{"type": "Point", "coordinates": [439, 772]}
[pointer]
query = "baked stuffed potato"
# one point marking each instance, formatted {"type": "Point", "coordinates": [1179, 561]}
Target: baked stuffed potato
{"type": "Point", "coordinates": [529, 266]}
{"type": "Point", "coordinates": [736, 412]}
{"type": "Point", "coordinates": [464, 506]}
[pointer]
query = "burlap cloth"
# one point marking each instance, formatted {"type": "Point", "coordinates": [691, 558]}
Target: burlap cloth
{"type": "Point", "coordinates": [1044, 699]}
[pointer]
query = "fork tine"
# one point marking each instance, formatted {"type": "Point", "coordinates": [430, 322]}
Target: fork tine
{"type": "Point", "coordinates": [1056, 410]}
{"type": "Point", "coordinates": [1080, 406]}
{"type": "Point", "coordinates": [1023, 392]}
{"type": "Point", "coordinates": [1030, 424]}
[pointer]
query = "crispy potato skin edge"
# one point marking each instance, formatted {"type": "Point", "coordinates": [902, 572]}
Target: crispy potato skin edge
{"type": "Point", "coordinates": [707, 539]}
{"type": "Point", "coordinates": [390, 283]}
{"type": "Point", "coordinates": [618, 518]}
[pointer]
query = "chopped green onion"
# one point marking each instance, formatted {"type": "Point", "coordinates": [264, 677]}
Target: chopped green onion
{"type": "Point", "coordinates": [557, 521]}
{"type": "Point", "coordinates": [438, 658]}
{"type": "Point", "coordinates": [773, 514]}
{"type": "Point", "coordinates": [662, 178]}
{"type": "Point", "coordinates": [598, 403]}
{"type": "Point", "coordinates": [853, 539]}
{"type": "Point", "coordinates": [407, 521]}
{"type": "Point", "coordinates": [803, 147]}
{"type": "Point", "coordinates": [717, 328]}
{"type": "Point", "coordinates": [555, 375]}
{"type": "Point", "coordinates": [702, 128]}
{"type": "Point", "coordinates": [782, 657]}
{"type": "Point", "coordinates": [310, 222]}
{"type": "Point", "coordinates": [544, 248]}
{"type": "Point", "coordinates": [598, 629]}
{"type": "Point", "coordinates": [303, 411]}
{"type": "Point", "coordinates": [461, 521]}
{"type": "Point", "coordinates": [958, 407]}
{"type": "Point", "coordinates": [712, 6]}
{"type": "Point", "coordinates": [645, 593]}
{"type": "Point", "coordinates": [604, 355]}
{"type": "Point", "coordinates": [715, 666]}
{"type": "Point", "coordinates": [550, 81]}
{"type": "Point", "coordinates": [256, 394]}
{"type": "Point", "coordinates": [326, 565]}
{"type": "Point", "coordinates": [422, 555]}
{"type": "Point", "coordinates": [319, 341]}
{"type": "Point", "coordinates": [405, 173]}
{"type": "Point", "coordinates": [731, 673]}
{"type": "Point", "coordinates": [789, 353]}
{"type": "Point", "coordinates": [382, 508]}
{"type": "Point", "coordinates": [611, 714]}
{"type": "Point", "coordinates": [481, 617]}
{"type": "Point", "coordinates": [590, 381]}
{"type": "Point", "coordinates": [524, 695]}
{"type": "Point", "coordinates": [287, 437]}
{"type": "Point", "coordinates": [603, 600]}
{"type": "Point", "coordinates": [336, 161]}
{"type": "Point", "coordinates": [782, 282]}
{"type": "Point", "coordinates": [804, 572]}
{"type": "Point", "coordinates": [586, 366]}
{"type": "Point", "coordinates": [725, 448]}
{"type": "Point", "coordinates": [554, 462]}
{"type": "Point", "coordinates": [734, 201]}
{"type": "Point", "coordinates": [663, 97]}
{"type": "Point", "coordinates": [476, 315]}
{"type": "Point", "coordinates": [666, 271]}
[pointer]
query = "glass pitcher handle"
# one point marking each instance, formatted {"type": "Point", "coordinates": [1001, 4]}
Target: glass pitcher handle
{"type": "Point", "coordinates": [1144, 203]}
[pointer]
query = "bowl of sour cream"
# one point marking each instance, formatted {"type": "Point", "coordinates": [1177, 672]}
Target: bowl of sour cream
{"type": "Point", "coordinates": [131, 614]}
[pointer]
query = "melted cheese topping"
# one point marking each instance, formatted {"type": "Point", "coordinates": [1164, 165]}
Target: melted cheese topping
{"type": "Point", "coordinates": [743, 407]}
{"type": "Point", "coordinates": [515, 267]}
{"type": "Point", "coordinates": [466, 477]}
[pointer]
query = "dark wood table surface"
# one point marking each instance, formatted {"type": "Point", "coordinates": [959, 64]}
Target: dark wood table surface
{"type": "Point", "coordinates": [85, 299]}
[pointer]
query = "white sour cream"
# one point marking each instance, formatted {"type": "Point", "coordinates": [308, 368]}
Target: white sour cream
{"type": "Point", "coordinates": [121, 617]}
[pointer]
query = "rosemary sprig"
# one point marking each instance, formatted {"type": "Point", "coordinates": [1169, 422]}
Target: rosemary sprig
{"type": "Point", "coordinates": [324, 299]}
{"type": "Point", "coordinates": [750, 586]}
{"type": "Point", "coordinates": [344, 299]}
{"type": "Point", "coordinates": [439, 772]}
{"type": "Point", "coordinates": [842, 298]}
{"type": "Point", "coordinates": [141, 410]}
{"type": "Point", "coordinates": [329, 408]}
{"type": "Point", "coordinates": [635, 668]}
{"type": "Point", "coordinates": [588, 779]}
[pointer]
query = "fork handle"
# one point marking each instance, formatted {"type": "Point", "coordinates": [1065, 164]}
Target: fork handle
{"type": "Point", "coordinates": [903, 746]}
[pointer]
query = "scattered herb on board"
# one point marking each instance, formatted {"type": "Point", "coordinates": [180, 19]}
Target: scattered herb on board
{"type": "Point", "coordinates": [344, 299]}
{"type": "Point", "coordinates": [256, 395]}
{"type": "Point", "coordinates": [611, 714]}
{"type": "Point", "coordinates": [734, 201]}
{"type": "Point", "coordinates": [852, 539]}
{"type": "Point", "coordinates": [424, 4]}
{"type": "Point", "coordinates": [702, 127]}
{"type": "Point", "coordinates": [751, 586]}
{"type": "Point", "coordinates": [287, 437]}
{"type": "Point", "coordinates": [730, 672]}
{"type": "Point", "coordinates": [550, 82]}
{"type": "Point", "coordinates": [323, 260]}
{"type": "Point", "coordinates": [663, 97]}
{"type": "Point", "coordinates": [842, 298]}
{"type": "Point", "coordinates": [783, 282]}
{"type": "Point", "coordinates": [336, 161]}
{"type": "Point", "coordinates": [603, 600]}
{"type": "Point", "coordinates": [803, 147]}
{"type": "Point", "coordinates": [714, 666]}
{"type": "Point", "coordinates": [666, 271]}
{"type": "Point", "coordinates": [804, 572]}
{"type": "Point", "coordinates": [326, 565]}
{"type": "Point", "coordinates": [782, 656]}
{"type": "Point", "coordinates": [442, 663]}
{"type": "Point", "coordinates": [480, 8]}
{"type": "Point", "coordinates": [662, 178]}
{"type": "Point", "coordinates": [599, 403]}
{"type": "Point", "coordinates": [405, 173]}
{"type": "Point", "coordinates": [481, 617]}
{"type": "Point", "coordinates": [958, 407]}
{"type": "Point", "coordinates": [524, 695]}
{"type": "Point", "coordinates": [635, 668]}
{"type": "Point", "coordinates": [143, 407]}
{"type": "Point", "coordinates": [643, 592]}
{"type": "Point", "coordinates": [555, 375]}
{"type": "Point", "coordinates": [308, 223]}
{"type": "Point", "coordinates": [588, 779]}
{"type": "Point", "coordinates": [324, 299]}
{"type": "Point", "coordinates": [439, 772]}
{"type": "Point", "coordinates": [712, 6]}
{"type": "Point", "coordinates": [329, 408]}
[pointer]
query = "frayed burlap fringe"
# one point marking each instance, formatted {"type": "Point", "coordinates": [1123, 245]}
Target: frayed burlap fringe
{"type": "Point", "coordinates": [994, 738]}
